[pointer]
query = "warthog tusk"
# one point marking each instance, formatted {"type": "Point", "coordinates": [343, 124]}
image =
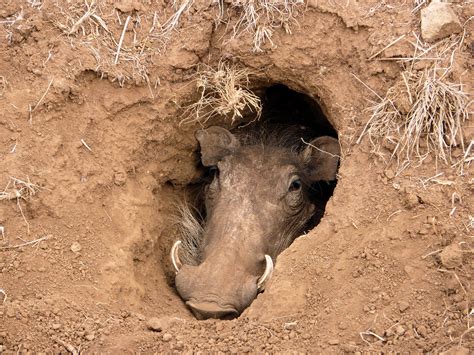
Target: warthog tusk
{"type": "Point", "coordinates": [267, 273]}
{"type": "Point", "coordinates": [175, 256]}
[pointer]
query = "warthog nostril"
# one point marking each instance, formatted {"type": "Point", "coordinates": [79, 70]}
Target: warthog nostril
{"type": "Point", "coordinates": [206, 310]}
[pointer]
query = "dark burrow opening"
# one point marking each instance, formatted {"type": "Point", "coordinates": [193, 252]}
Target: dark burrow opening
{"type": "Point", "coordinates": [300, 122]}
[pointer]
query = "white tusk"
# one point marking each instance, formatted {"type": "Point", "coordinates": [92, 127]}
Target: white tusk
{"type": "Point", "coordinates": [175, 256]}
{"type": "Point", "coordinates": [267, 273]}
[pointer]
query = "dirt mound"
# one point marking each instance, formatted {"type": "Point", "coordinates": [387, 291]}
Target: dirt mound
{"type": "Point", "coordinates": [93, 159]}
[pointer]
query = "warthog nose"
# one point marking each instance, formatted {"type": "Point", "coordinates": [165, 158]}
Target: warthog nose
{"type": "Point", "coordinates": [205, 310]}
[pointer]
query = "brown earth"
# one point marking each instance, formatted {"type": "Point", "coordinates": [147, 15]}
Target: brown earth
{"type": "Point", "coordinates": [389, 268]}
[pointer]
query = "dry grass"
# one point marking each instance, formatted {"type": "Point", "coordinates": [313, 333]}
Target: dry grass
{"type": "Point", "coordinates": [259, 18]}
{"type": "Point", "coordinates": [121, 45]}
{"type": "Point", "coordinates": [18, 190]}
{"type": "Point", "coordinates": [423, 113]}
{"type": "Point", "coordinates": [262, 17]}
{"type": "Point", "coordinates": [418, 4]}
{"type": "Point", "coordinates": [224, 92]}
{"type": "Point", "coordinates": [34, 242]}
{"type": "Point", "coordinates": [12, 22]}
{"type": "Point", "coordinates": [172, 24]}
{"type": "Point", "coordinates": [124, 44]}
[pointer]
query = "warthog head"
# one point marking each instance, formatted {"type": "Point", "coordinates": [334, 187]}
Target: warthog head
{"type": "Point", "coordinates": [257, 203]}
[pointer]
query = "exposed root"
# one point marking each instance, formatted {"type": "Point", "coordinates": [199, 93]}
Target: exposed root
{"type": "Point", "coordinates": [223, 92]}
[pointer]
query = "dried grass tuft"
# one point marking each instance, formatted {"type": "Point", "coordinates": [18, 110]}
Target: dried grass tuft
{"type": "Point", "coordinates": [257, 17]}
{"type": "Point", "coordinates": [121, 44]}
{"type": "Point", "coordinates": [423, 113]}
{"type": "Point", "coordinates": [262, 17]}
{"type": "Point", "coordinates": [224, 92]}
{"type": "Point", "coordinates": [18, 190]}
{"type": "Point", "coordinates": [11, 23]}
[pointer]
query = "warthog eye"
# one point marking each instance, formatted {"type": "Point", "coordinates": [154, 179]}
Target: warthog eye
{"type": "Point", "coordinates": [295, 185]}
{"type": "Point", "coordinates": [214, 171]}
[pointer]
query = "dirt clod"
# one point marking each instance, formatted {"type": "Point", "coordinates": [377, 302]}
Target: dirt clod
{"type": "Point", "coordinates": [400, 330]}
{"type": "Point", "coordinates": [422, 331]}
{"type": "Point", "coordinates": [456, 350]}
{"type": "Point", "coordinates": [438, 21]}
{"type": "Point", "coordinates": [120, 178]}
{"type": "Point", "coordinates": [128, 5]}
{"type": "Point", "coordinates": [76, 247]}
{"type": "Point", "coordinates": [155, 324]}
{"type": "Point", "coordinates": [411, 200]}
{"type": "Point", "coordinates": [451, 256]}
{"type": "Point", "coordinates": [389, 173]}
{"type": "Point", "coordinates": [403, 306]}
{"type": "Point", "coordinates": [167, 337]}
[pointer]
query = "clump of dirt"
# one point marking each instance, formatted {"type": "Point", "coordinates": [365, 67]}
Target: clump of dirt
{"type": "Point", "coordinates": [94, 157]}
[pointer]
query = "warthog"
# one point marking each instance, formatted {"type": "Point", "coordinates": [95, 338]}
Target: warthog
{"type": "Point", "coordinates": [257, 203]}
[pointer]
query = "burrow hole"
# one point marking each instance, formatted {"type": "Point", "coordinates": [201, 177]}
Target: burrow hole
{"type": "Point", "coordinates": [282, 107]}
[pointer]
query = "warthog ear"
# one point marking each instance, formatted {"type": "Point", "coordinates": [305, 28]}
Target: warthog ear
{"type": "Point", "coordinates": [216, 143]}
{"type": "Point", "coordinates": [321, 157]}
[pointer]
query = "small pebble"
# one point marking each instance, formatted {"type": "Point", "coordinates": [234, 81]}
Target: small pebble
{"type": "Point", "coordinates": [422, 331]}
{"type": "Point", "coordinates": [155, 324]}
{"type": "Point", "coordinates": [403, 306]}
{"type": "Point", "coordinates": [76, 247]}
{"type": "Point", "coordinates": [389, 174]}
{"type": "Point", "coordinates": [290, 325]}
{"type": "Point", "coordinates": [333, 342]}
{"type": "Point", "coordinates": [451, 256]}
{"type": "Point", "coordinates": [167, 337]}
{"type": "Point", "coordinates": [400, 330]}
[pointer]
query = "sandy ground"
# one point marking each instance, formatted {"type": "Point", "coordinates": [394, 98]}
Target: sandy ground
{"type": "Point", "coordinates": [92, 143]}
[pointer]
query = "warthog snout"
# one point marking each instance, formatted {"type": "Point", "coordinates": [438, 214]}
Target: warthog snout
{"type": "Point", "coordinates": [257, 203]}
{"type": "Point", "coordinates": [211, 295]}
{"type": "Point", "coordinates": [205, 310]}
